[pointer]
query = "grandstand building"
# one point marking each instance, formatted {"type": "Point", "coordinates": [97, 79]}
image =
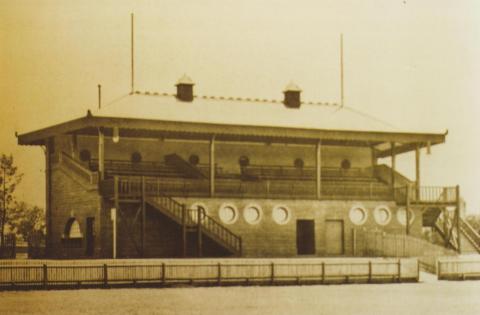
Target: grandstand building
{"type": "Point", "coordinates": [181, 175]}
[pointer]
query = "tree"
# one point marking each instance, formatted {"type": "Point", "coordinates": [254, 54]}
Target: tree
{"type": "Point", "coordinates": [9, 179]}
{"type": "Point", "coordinates": [27, 221]}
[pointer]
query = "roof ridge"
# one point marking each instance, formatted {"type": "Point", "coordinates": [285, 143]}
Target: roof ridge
{"type": "Point", "coordinates": [232, 98]}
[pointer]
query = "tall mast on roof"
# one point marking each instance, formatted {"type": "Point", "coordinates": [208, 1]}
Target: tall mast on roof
{"type": "Point", "coordinates": [341, 72]}
{"type": "Point", "coordinates": [132, 54]}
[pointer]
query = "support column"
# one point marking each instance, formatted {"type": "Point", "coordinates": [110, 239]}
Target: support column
{"type": "Point", "coordinates": [407, 210]}
{"type": "Point", "coordinates": [75, 146]}
{"type": "Point", "coordinates": [200, 212]}
{"type": "Point", "coordinates": [458, 218]}
{"type": "Point", "coordinates": [48, 202]}
{"type": "Point", "coordinates": [101, 153]}
{"type": "Point", "coordinates": [144, 221]}
{"type": "Point", "coordinates": [318, 166]}
{"type": "Point", "coordinates": [373, 156]}
{"type": "Point", "coordinates": [446, 232]}
{"type": "Point", "coordinates": [114, 212]}
{"type": "Point", "coordinates": [392, 144]}
{"type": "Point", "coordinates": [184, 231]}
{"type": "Point", "coordinates": [417, 172]}
{"type": "Point", "coordinates": [212, 166]}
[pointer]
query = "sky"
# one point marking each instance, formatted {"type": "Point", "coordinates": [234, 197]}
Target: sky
{"type": "Point", "coordinates": [413, 64]}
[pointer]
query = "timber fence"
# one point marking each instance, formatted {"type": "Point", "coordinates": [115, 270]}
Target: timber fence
{"type": "Point", "coordinates": [153, 272]}
{"type": "Point", "coordinates": [459, 268]}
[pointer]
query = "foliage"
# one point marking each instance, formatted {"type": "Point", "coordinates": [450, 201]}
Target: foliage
{"type": "Point", "coordinates": [9, 179]}
{"type": "Point", "coordinates": [27, 221]}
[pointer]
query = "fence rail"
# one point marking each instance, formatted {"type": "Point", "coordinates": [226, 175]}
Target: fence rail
{"type": "Point", "coordinates": [459, 268]}
{"type": "Point", "coordinates": [50, 274]}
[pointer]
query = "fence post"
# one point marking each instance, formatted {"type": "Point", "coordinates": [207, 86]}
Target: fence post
{"type": "Point", "coordinates": [45, 276]}
{"type": "Point", "coordinates": [272, 277]}
{"type": "Point", "coordinates": [323, 271]}
{"type": "Point", "coordinates": [219, 275]}
{"type": "Point", "coordinates": [105, 275]}
{"type": "Point", "coordinates": [370, 271]}
{"type": "Point", "coordinates": [164, 276]}
{"type": "Point", "coordinates": [399, 270]}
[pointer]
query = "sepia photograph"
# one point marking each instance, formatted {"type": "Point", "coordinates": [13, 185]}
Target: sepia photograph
{"type": "Point", "coordinates": [239, 157]}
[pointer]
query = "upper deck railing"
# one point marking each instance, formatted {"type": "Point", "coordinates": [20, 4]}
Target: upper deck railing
{"type": "Point", "coordinates": [130, 187]}
{"type": "Point", "coordinates": [426, 194]}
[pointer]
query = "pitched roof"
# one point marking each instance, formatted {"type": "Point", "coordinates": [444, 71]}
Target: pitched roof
{"type": "Point", "coordinates": [241, 111]}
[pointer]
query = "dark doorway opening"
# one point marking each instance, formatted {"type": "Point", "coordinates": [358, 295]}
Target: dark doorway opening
{"type": "Point", "coordinates": [90, 236]}
{"type": "Point", "coordinates": [305, 237]}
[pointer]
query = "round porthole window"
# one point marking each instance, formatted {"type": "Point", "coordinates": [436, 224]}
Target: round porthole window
{"type": "Point", "coordinates": [402, 216]}
{"type": "Point", "coordinates": [382, 215]}
{"type": "Point", "coordinates": [136, 157]}
{"type": "Point", "coordinates": [346, 164]}
{"type": "Point", "coordinates": [193, 210]}
{"type": "Point", "coordinates": [194, 159]}
{"type": "Point", "coordinates": [281, 214]}
{"type": "Point", "coordinates": [358, 215]}
{"type": "Point", "coordinates": [252, 214]}
{"type": "Point", "coordinates": [228, 213]}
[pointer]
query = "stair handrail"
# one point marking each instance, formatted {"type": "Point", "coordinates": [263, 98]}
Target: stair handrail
{"type": "Point", "coordinates": [210, 224]}
{"type": "Point", "coordinates": [78, 167]}
{"type": "Point", "coordinates": [471, 230]}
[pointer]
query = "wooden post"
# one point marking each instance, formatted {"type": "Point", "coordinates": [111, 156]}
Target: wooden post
{"type": "Point", "coordinates": [212, 166]}
{"type": "Point", "coordinates": [354, 242]}
{"type": "Point", "coordinates": [184, 231]}
{"type": "Point", "coordinates": [219, 274]}
{"type": "Point", "coordinates": [399, 270]}
{"type": "Point", "coordinates": [370, 270]}
{"type": "Point", "coordinates": [164, 276]}
{"type": "Point", "coordinates": [101, 153]}
{"type": "Point", "coordinates": [407, 210]}
{"type": "Point", "coordinates": [323, 271]}
{"type": "Point", "coordinates": [74, 144]}
{"type": "Point", "coordinates": [49, 147]}
{"type": "Point", "coordinates": [199, 230]}
{"type": "Point", "coordinates": [445, 227]}
{"type": "Point", "coordinates": [458, 216]}
{"type": "Point", "coordinates": [144, 220]}
{"type": "Point", "coordinates": [114, 215]}
{"type": "Point", "coordinates": [392, 144]}
{"type": "Point", "coordinates": [417, 172]}
{"type": "Point", "coordinates": [45, 276]}
{"type": "Point", "coordinates": [318, 166]}
{"type": "Point", "coordinates": [374, 157]}
{"type": "Point", "coordinates": [272, 275]}
{"type": "Point", "coordinates": [105, 275]}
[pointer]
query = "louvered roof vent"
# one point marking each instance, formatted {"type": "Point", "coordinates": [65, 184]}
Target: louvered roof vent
{"type": "Point", "coordinates": [185, 89]}
{"type": "Point", "coordinates": [292, 96]}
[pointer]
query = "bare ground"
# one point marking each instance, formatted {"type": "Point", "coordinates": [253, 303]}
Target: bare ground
{"type": "Point", "coordinates": [428, 297]}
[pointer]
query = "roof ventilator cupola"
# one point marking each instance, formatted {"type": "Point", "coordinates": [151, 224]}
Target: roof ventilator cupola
{"type": "Point", "coordinates": [292, 95]}
{"type": "Point", "coordinates": [185, 89]}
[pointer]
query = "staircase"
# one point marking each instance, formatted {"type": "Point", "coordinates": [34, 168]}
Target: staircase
{"type": "Point", "coordinates": [184, 167]}
{"type": "Point", "coordinates": [470, 234]}
{"type": "Point", "coordinates": [197, 220]}
{"type": "Point", "coordinates": [443, 225]}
